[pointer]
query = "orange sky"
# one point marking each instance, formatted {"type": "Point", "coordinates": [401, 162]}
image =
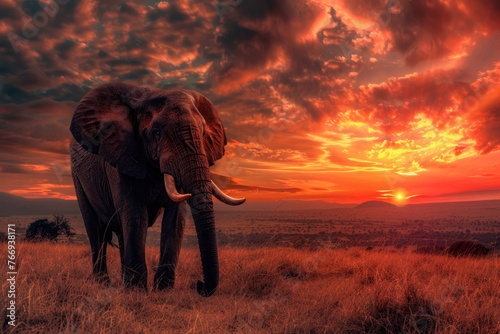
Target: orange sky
{"type": "Point", "coordinates": [335, 100]}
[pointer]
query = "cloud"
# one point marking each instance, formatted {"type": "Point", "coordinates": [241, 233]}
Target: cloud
{"type": "Point", "coordinates": [260, 35]}
{"type": "Point", "coordinates": [420, 30]}
{"type": "Point", "coordinates": [43, 190]}
{"type": "Point", "coordinates": [335, 91]}
{"type": "Point", "coordinates": [227, 183]}
{"type": "Point", "coordinates": [470, 195]}
{"type": "Point", "coordinates": [486, 128]}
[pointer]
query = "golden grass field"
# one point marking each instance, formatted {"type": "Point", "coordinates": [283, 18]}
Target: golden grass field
{"type": "Point", "coordinates": [267, 290]}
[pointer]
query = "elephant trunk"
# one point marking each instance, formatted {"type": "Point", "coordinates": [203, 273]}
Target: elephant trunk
{"type": "Point", "coordinates": [196, 181]}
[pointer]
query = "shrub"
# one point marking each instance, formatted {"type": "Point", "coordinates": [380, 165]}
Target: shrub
{"type": "Point", "coordinates": [468, 248]}
{"type": "Point", "coordinates": [45, 230]}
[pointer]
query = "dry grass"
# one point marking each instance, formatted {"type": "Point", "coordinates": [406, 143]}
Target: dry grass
{"type": "Point", "coordinates": [269, 290]}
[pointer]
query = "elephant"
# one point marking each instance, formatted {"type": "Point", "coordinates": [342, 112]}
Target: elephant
{"type": "Point", "coordinates": [137, 152]}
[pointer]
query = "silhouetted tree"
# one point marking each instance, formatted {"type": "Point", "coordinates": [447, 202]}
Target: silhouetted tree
{"type": "Point", "coordinates": [63, 225]}
{"type": "Point", "coordinates": [43, 229]}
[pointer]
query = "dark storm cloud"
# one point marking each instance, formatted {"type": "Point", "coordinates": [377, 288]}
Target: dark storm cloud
{"type": "Point", "coordinates": [279, 50]}
{"type": "Point", "coordinates": [23, 144]}
{"type": "Point", "coordinates": [13, 169]}
{"type": "Point", "coordinates": [31, 80]}
{"type": "Point", "coordinates": [12, 94]}
{"type": "Point", "coordinates": [65, 47]}
{"type": "Point", "coordinates": [425, 30]}
{"type": "Point", "coordinates": [68, 92]}
{"type": "Point", "coordinates": [257, 34]}
{"type": "Point", "coordinates": [40, 126]}
{"type": "Point", "coordinates": [429, 30]}
{"type": "Point", "coordinates": [17, 168]}
{"type": "Point", "coordinates": [467, 194]}
{"type": "Point", "coordinates": [487, 123]}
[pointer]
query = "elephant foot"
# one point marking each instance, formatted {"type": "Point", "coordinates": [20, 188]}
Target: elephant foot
{"type": "Point", "coordinates": [163, 283]}
{"type": "Point", "coordinates": [136, 284]}
{"type": "Point", "coordinates": [102, 278]}
{"type": "Point", "coordinates": [135, 281]}
{"type": "Point", "coordinates": [204, 290]}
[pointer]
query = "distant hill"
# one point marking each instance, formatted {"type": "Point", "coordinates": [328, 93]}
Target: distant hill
{"type": "Point", "coordinates": [375, 204]}
{"type": "Point", "coordinates": [11, 205]}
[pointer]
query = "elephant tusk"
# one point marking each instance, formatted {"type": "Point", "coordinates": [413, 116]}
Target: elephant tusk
{"type": "Point", "coordinates": [172, 190]}
{"type": "Point", "coordinates": [219, 194]}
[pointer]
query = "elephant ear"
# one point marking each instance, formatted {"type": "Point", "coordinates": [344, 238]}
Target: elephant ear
{"type": "Point", "coordinates": [215, 137]}
{"type": "Point", "coordinates": [103, 124]}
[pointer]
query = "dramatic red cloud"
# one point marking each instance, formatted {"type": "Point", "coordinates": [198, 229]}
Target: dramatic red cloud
{"type": "Point", "coordinates": [336, 100]}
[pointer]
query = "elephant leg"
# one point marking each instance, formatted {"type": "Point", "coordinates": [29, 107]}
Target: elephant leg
{"type": "Point", "coordinates": [172, 230]}
{"type": "Point", "coordinates": [121, 244]}
{"type": "Point", "coordinates": [100, 264]}
{"type": "Point", "coordinates": [95, 233]}
{"type": "Point", "coordinates": [134, 251]}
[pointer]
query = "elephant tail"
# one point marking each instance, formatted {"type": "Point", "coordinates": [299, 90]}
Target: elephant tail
{"type": "Point", "coordinates": [108, 238]}
{"type": "Point", "coordinates": [112, 244]}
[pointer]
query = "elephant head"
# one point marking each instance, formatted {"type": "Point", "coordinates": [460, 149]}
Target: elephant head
{"type": "Point", "coordinates": [176, 132]}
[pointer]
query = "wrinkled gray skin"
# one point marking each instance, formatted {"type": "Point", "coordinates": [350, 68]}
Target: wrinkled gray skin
{"type": "Point", "coordinates": [126, 138]}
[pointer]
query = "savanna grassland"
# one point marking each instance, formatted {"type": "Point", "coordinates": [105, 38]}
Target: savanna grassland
{"type": "Point", "coordinates": [262, 290]}
{"type": "Point", "coordinates": [435, 225]}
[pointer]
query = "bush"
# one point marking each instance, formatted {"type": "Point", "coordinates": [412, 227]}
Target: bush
{"type": "Point", "coordinates": [468, 248]}
{"type": "Point", "coordinates": [45, 230]}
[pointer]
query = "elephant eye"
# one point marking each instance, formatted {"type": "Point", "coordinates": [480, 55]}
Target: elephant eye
{"type": "Point", "coordinates": [156, 134]}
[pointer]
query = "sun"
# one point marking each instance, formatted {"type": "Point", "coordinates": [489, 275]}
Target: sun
{"type": "Point", "coordinates": [399, 197]}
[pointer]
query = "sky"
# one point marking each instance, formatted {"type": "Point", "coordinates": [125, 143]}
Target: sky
{"type": "Point", "coordinates": [342, 101]}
